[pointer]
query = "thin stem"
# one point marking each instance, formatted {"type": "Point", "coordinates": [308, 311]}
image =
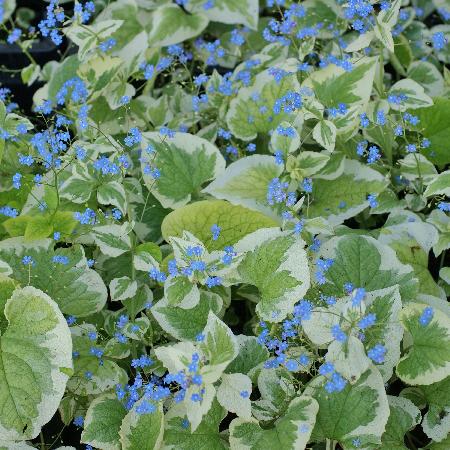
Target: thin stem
{"type": "Point", "coordinates": [41, 438]}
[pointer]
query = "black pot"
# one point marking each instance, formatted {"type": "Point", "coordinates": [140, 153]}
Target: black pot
{"type": "Point", "coordinates": [12, 57]}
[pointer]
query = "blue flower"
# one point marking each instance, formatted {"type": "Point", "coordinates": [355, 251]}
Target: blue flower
{"type": "Point", "coordinates": [377, 353]}
{"type": "Point", "coordinates": [427, 316]}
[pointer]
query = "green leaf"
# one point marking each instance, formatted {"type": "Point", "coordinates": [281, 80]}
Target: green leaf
{"type": "Point", "coordinates": [427, 358]}
{"type": "Point", "coordinates": [244, 12]}
{"type": "Point", "coordinates": [205, 436]}
{"type": "Point", "coordinates": [219, 346]}
{"type": "Point", "coordinates": [38, 227]}
{"type": "Point", "coordinates": [122, 288]}
{"type": "Point", "coordinates": [436, 421]}
{"type": "Point", "coordinates": [113, 240]}
{"type": "Point", "coordinates": [403, 417]}
{"type": "Point", "coordinates": [98, 72]}
{"type": "Point", "coordinates": [78, 187]}
{"type": "Point", "coordinates": [319, 15]}
{"type": "Point", "coordinates": [186, 324]}
{"type": "Point", "coordinates": [409, 252]}
{"type": "Point", "coordinates": [386, 305]}
{"type": "Point", "coordinates": [171, 25]}
{"type": "Point", "coordinates": [250, 355]}
{"type": "Point", "coordinates": [245, 182]}
{"type": "Point", "coordinates": [435, 126]}
{"type": "Point", "coordinates": [306, 164]}
{"type": "Point", "coordinates": [33, 349]}
{"type": "Point", "coordinates": [333, 85]}
{"type": "Point", "coordinates": [104, 376]}
{"type": "Point", "coordinates": [428, 76]}
{"type": "Point", "coordinates": [325, 134]}
{"type": "Point", "coordinates": [362, 408]}
{"type": "Point", "coordinates": [64, 71]}
{"type": "Point", "coordinates": [415, 95]}
{"type": "Point", "coordinates": [292, 430]}
{"type": "Point", "coordinates": [7, 287]}
{"type": "Point", "coordinates": [340, 198]}
{"type": "Point", "coordinates": [180, 291]}
{"type": "Point", "coordinates": [229, 394]}
{"type": "Point", "coordinates": [77, 290]}
{"type": "Point", "coordinates": [88, 37]}
{"type": "Point", "coordinates": [142, 431]}
{"type": "Point", "coordinates": [185, 161]}
{"type": "Point", "coordinates": [103, 421]}
{"type": "Point", "coordinates": [246, 118]}
{"type": "Point", "coordinates": [283, 143]}
{"type": "Point", "coordinates": [440, 185]}
{"type": "Point", "coordinates": [276, 263]}
{"type": "Point", "coordinates": [235, 222]}
{"type": "Point", "coordinates": [112, 193]}
{"type": "Point", "coordinates": [277, 389]}
{"type": "Point", "coordinates": [364, 262]}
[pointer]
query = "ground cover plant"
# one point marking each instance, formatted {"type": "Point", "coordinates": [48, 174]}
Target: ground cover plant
{"type": "Point", "coordinates": [224, 224]}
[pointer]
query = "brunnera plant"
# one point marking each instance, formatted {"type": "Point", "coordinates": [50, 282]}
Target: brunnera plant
{"type": "Point", "coordinates": [224, 224]}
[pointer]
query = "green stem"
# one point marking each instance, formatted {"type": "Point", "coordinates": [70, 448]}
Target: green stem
{"type": "Point", "coordinates": [41, 437]}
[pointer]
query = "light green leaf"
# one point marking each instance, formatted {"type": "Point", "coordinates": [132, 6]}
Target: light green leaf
{"type": "Point", "coordinates": [185, 161]}
{"type": "Point", "coordinates": [77, 290]}
{"type": "Point", "coordinates": [229, 394]}
{"type": "Point", "coordinates": [103, 421]}
{"type": "Point", "coordinates": [276, 263]}
{"type": "Point", "coordinates": [246, 118]}
{"type": "Point", "coordinates": [427, 358]}
{"type": "Point", "coordinates": [364, 262]}
{"type": "Point", "coordinates": [325, 134]}
{"type": "Point", "coordinates": [344, 197]}
{"type": "Point", "coordinates": [186, 324]}
{"type": "Point", "coordinates": [36, 353]}
{"type": "Point", "coordinates": [415, 95]}
{"type": "Point", "coordinates": [235, 222]}
{"type": "Point", "coordinates": [363, 411]}
{"type": "Point", "coordinates": [171, 25]}
{"type": "Point", "coordinates": [245, 182]}
{"type": "Point", "coordinates": [112, 193]}
{"type": "Point", "coordinates": [292, 430]}
{"type": "Point", "coordinates": [142, 431]}
{"type": "Point", "coordinates": [403, 417]}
